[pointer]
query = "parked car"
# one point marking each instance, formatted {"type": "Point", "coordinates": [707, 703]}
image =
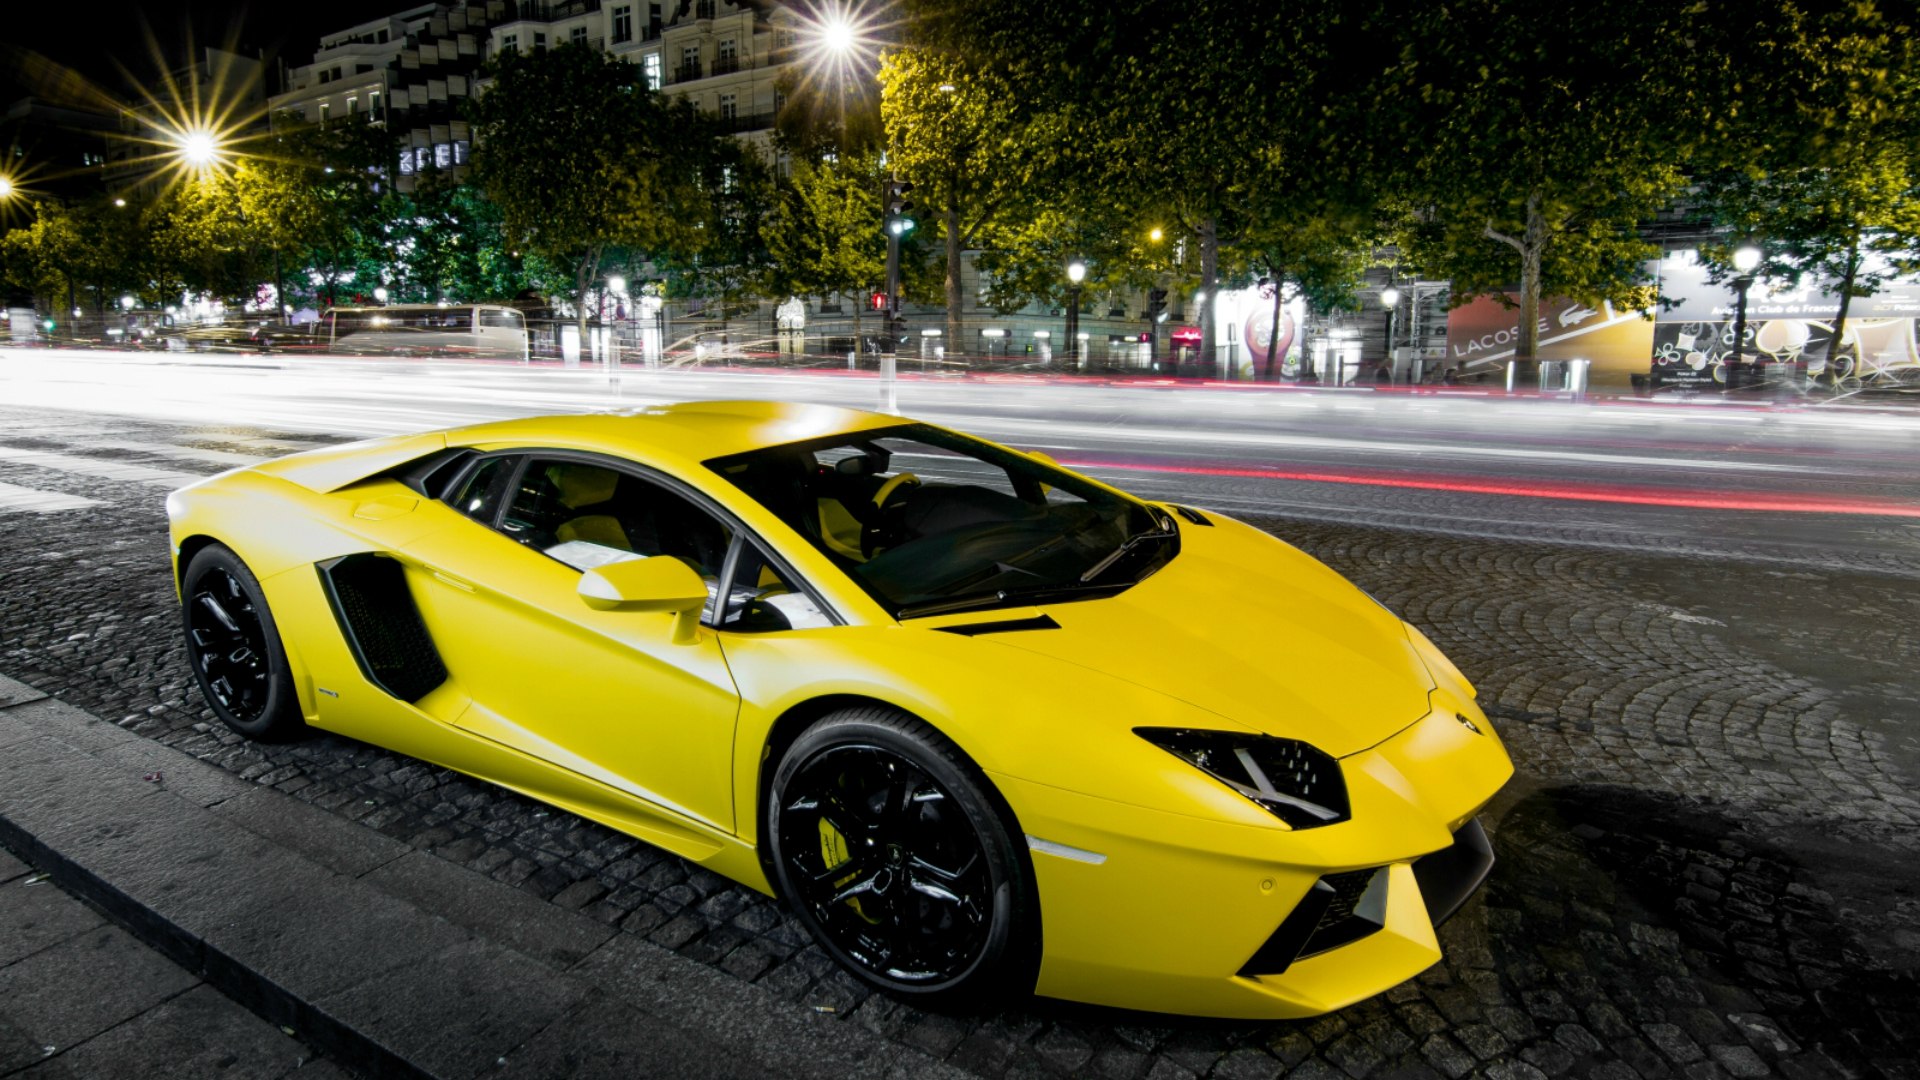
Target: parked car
{"type": "Point", "coordinates": [479, 330]}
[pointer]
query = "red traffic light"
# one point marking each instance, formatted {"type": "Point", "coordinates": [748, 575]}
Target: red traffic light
{"type": "Point", "coordinates": [878, 301]}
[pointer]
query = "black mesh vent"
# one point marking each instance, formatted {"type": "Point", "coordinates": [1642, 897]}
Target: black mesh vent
{"type": "Point", "coordinates": [1342, 922]}
{"type": "Point", "coordinates": [1340, 909]}
{"type": "Point", "coordinates": [382, 626]}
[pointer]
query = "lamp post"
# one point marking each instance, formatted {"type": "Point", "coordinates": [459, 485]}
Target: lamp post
{"type": "Point", "coordinates": [1746, 259]}
{"type": "Point", "coordinates": [1389, 299]}
{"type": "Point", "coordinates": [1076, 273]}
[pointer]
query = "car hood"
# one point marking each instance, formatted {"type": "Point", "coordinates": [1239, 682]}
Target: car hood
{"type": "Point", "coordinates": [1255, 631]}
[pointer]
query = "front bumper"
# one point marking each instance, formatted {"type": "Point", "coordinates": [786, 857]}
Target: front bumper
{"type": "Point", "coordinates": [1184, 915]}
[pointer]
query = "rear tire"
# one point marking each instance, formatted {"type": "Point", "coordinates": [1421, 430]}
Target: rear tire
{"type": "Point", "coordinates": [903, 861]}
{"type": "Point", "coordinates": [234, 648]}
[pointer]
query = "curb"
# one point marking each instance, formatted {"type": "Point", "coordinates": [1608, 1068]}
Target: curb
{"type": "Point", "coordinates": [388, 959]}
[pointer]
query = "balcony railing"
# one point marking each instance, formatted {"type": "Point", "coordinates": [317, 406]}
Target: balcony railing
{"type": "Point", "coordinates": [687, 72]}
{"type": "Point", "coordinates": [739, 122]}
{"type": "Point", "coordinates": [726, 65]}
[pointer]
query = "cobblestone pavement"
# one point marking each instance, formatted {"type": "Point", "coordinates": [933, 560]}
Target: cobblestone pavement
{"type": "Point", "coordinates": [1709, 865]}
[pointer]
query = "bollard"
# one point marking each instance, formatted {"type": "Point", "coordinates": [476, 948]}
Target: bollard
{"type": "Point", "coordinates": [889, 401]}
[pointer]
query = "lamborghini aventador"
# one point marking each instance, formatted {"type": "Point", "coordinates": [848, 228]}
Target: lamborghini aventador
{"type": "Point", "coordinates": [986, 724]}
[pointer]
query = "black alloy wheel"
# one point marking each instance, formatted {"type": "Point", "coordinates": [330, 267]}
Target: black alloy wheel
{"type": "Point", "coordinates": [896, 853]}
{"type": "Point", "coordinates": [234, 647]}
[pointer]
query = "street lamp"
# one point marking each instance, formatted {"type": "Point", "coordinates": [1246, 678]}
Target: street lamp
{"type": "Point", "coordinates": [6, 188]}
{"type": "Point", "coordinates": [1746, 259]}
{"type": "Point", "coordinates": [198, 148]}
{"type": "Point", "coordinates": [379, 294]}
{"type": "Point", "coordinates": [127, 302]}
{"type": "Point", "coordinates": [1076, 273]}
{"type": "Point", "coordinates": [1390, 299]}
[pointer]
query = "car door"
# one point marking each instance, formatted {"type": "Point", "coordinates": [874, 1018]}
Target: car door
{"type": "Point", "coordinates": [606, 694]}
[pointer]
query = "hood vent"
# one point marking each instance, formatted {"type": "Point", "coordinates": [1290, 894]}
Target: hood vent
{"type": "Point", "coordinates": [1005, 626]}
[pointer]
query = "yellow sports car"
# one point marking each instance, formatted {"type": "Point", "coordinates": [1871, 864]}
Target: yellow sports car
{"type": "Point", "coordinates": [988, 725]}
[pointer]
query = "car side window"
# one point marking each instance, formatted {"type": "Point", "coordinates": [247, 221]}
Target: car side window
{"type": "Point", "coordinates": [588, 515]}
{"type": "Point", "coordinates": [760, 598]}
{"type": "Point", "coordinates": [479, 497]}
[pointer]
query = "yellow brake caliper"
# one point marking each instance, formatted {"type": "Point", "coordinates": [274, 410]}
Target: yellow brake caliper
{"type": "Point", "coordinates": [833, 852]}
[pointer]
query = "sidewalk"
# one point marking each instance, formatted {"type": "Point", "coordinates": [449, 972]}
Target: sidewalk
{"type": "Point", "coordinates": [389, 960]}
{"type": "Point", "coordinates": [80, 997]}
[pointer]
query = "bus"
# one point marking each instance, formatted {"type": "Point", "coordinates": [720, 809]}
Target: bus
{"type": "Point", "coordinates": [478, 330]}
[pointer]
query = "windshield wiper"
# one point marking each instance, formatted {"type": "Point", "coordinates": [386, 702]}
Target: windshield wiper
{"type": "Point", "coordinates": [1127, 545]}
{"type": "Point", "coordinates": [962, 603]}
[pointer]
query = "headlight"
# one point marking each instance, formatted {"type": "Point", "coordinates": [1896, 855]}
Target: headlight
{"type": "Point", "coordinates": [1293, 781]}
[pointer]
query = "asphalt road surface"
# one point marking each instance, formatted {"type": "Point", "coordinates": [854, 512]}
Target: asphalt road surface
{"type": "Point", "coordinates": [1694, 626]}
{"type": "Point", "coordinates": [1832, 485]}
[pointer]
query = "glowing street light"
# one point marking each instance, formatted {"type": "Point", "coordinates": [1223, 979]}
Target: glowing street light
{"type": "Point", "coordinates": [198, 147]}
{"type": "Point", "coordinates": [837, 33]}
{"type": "Point", "coordinates": [617, 285]}
{"type": "Point", "coordinates": [1154, 234]}
{"type": "Point", "coordinates": [1389, 299]}
{"type": "Point", "coordinates": [6, 188]}
{"type": "Point", "coordinates": [380, 294]}
{"type": "Point", "coordinates": [127, 302]}
{"type": "Point", "coordinates": [1076, 273]}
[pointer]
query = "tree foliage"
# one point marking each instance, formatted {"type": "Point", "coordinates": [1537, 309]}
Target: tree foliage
{"type": "Point", "coordinates": [581, 158]}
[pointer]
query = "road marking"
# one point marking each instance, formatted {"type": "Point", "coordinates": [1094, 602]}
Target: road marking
{"type": "Point", "coordinates": [225, 458]}
{"type": "Point", "coordinates": [106, 470]}
{"type": "Point", "coordinates": [28, 500]}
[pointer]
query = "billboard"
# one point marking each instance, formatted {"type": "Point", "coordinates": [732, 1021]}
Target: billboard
{"type": "Point", "coordinates": [1693, 339]}
{"type": "Point", "coordinates": [1482, 333]}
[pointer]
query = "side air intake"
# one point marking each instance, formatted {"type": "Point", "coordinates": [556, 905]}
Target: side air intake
{"type": "Point", "coordinates": [382, 625]}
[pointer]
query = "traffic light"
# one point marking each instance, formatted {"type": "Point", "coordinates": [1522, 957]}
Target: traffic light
{"type": "Point", "coordinates": [899, 222]}
{"type": "Point", "coordinates": [1156, 304]}
{"type": "Point", "coordinates": [878, 301]}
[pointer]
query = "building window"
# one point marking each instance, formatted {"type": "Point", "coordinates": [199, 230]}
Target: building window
{"type": "Point", "coordinates": [653, 20]}
{"type": "Point", "coordinates": [326, 110]}
{"type": "Point", "coordinates": [539, 42]}
{"type": "Point", "coordinates": [650, 68]}
{"type": "Point", "coordinates": [729, 107]}
{"type": "Point", "coordinates": [373, 104]}
{"type": "Point", "coordinates": [509, 43]}
{"type": "Point", "coordinates": [578, 36]}
{"type": "Point", "coordinates": [703, 9]}
{"type": "Point", "coordinates": [353, 105]}
{"type": "Point", "coordinates": [326, 77]}
{"type": "Point", "coordinates": [383, 37]}
{"type": "Point", "coordinates": [622, 24]}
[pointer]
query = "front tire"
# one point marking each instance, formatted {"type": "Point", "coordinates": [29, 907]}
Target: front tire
{"type": "Point", "coordinates": [901, 859]}
{"type": "Point", "coordinates": [234, 647]}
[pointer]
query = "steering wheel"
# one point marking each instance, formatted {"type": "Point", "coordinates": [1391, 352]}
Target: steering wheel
{"type": "Point", "coordinates": [894, 483]}
{"type": "Point", "coordinates": [885, 528]}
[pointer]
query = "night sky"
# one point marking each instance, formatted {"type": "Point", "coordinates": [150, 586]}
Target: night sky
{"type": "Point", "coordinates": [88, 38]}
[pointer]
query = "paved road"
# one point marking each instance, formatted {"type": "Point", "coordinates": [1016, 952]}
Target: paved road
{"type": "Point", "coordinates": [1707, 860]}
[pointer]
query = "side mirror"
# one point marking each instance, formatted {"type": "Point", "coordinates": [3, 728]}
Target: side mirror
{"type": "Point", "coordinates": [661, 583]}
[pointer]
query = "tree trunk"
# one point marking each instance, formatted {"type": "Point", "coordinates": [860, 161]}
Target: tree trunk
{"type": "Point", "coordinates": [955, 346]}
{"type": "Point", "coordinates": [1846, 301]}
{"type": "Point", "coordinates": [1273, 331]}
{"type": "Point", "coordinates": [1532, 247]}
{"type": "Point", "coordinates": [583, 277]}
{"type": "Point", "coordinates": [1209, 272]}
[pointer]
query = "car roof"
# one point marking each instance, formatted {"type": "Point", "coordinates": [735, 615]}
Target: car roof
{"type": "Point", "coordinates": [683, 433]}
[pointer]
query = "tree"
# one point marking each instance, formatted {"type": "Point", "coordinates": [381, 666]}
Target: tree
{"type": "Point", "coordinates": [1219, 124]}
{"type": "Point", "coordinates": [581, 158]}
{"type": "Point", "coordinates": [1534, 153]}
{"type": "Point", "coordinates": [824, 233]}
{"type": "Point", "coordinates": [952, 130]}
{"type": "Point", "coordinates": [1840, 201]}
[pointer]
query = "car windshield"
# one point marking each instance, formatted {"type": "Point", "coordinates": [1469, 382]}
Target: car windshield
{"type": "Point", "coordinates": [928, 521]}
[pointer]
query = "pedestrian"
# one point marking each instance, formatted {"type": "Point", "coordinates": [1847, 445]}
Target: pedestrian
{"type": "Point", "coordinates": [1450, 378]}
